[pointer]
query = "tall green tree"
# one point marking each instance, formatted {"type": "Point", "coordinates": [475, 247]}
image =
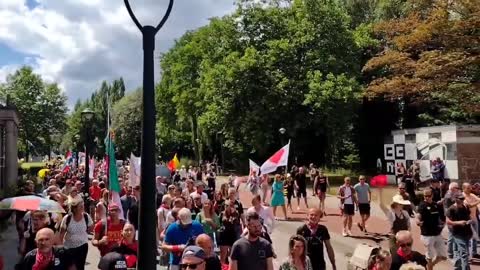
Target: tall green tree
{"type": "Point", "coordinates": [430, 62]}
{"type": "Point", "coordinates": [41, 107]}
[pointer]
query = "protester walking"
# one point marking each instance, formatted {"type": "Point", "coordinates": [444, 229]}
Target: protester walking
{"type": "Point", "coordinates": [252, 252]}
{"type": "Point", "coordinates": [431, 219]}
{"type": "Point", "coordinates": [364, 197]}
{"type": "Point", "coordinates": [278, 199]}
{"type": "Point", "coordinates": [74, 231]}
{"type": "Point", "coordinates": [346, 194]}
{"type": "Point", "coordinates": [459, 219]}
{"type": "Point", "coordinates": [405, 254]}
{"type": "Point", "coordinates": [320, 187]}
{"type": "Point", "coordinates": [297, 255]}
{"type": "Point", "coordinates": [317, 237]}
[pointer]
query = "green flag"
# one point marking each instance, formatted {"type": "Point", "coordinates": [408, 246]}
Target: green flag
{"type": "Point", "coordinates": [114, 185]}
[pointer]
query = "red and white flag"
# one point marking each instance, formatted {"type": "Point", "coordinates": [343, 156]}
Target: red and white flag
{"type": "Point", "coordinates": [280, 158]}
{"type": "Point", "coordinates": [92, 168]}
{"type": "Point", "coordinates": [254, 168]}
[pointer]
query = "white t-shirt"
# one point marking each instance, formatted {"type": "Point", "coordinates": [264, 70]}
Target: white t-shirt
{"type": "Point", "coordinates": [348, 195]}
{"type": "Point", "coordinates": [162, 216]}
{"type": "Point", "coordinates": [76, 234]}
{"type": "Point", "coordinates": [204, 197]}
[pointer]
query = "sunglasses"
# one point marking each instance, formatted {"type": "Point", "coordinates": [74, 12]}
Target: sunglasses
{"type": "Point", "coordinates": [189, 265]}
{"type": "Point", "coordinates": [405, 244]}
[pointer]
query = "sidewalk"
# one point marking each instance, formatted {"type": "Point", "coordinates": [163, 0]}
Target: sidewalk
{"type": "Point", "coordinates": [8, 247]}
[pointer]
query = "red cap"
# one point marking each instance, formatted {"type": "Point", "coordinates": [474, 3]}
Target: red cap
{"type": "Point", "coordinates": [112, 206]}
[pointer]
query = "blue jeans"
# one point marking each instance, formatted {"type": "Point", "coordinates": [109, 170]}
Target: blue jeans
{"type": "Point", "coordinates": [474, 241]}
{"type": "Point", "coordinates": [460, 257]}
{"type": "Point", "coordinates": [450, 244]}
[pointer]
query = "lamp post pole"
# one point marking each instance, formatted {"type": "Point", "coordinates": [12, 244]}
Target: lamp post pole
{"type": "Point", "coordinates": [87, 116]}
{"type": "Point", "coordinates": [147, 239]}
{"type": "Point", "coordinates": [87, 167]}
{"type": "Point", "coordinates": [282, 140]}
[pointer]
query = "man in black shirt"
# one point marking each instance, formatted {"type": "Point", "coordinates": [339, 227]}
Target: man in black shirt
{"type": "Point", "coordinates": [448, 201]}
{"type": "Point", "coordinates": [405, 253]}
{"type": "Point", "coordinates": [317, 235]}
{"type": "Point", "coordinates": [431, 219]}
{"type": "Point", "coordinates": [458, 218]}
{"type": "Point", "coordinates": [301, 187]}
{"type": "Point", "coordinates": [252, 252]}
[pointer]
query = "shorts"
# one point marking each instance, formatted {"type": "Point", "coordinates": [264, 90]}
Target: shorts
{"type": "Point", "coordinates": [321, 194]}
{"type": "Point", "coordinates": [435, 246]}
{"type": "Point", "coordinates": [302, 192]}
{"type": "Point", "coordinates": [348, 209]}
{"type": "Point", "coordinates": [364, 208]}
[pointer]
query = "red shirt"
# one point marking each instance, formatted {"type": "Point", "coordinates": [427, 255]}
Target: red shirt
{"type": "Point", "coordinates": [95, 193]}
{"type": "Point", "coordinates": [114, 234]}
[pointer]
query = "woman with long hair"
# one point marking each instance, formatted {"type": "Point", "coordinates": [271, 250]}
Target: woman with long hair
{"type": "Point", "coordinates": [230, 230]}
{"type": "Point", "coordinates": [219, 202]}
{"type": "Point", "coordinates": [320, 186]}
{"type": "Point", "coordinates": [209, 219]}
{"type": "Point", "coordinates": [128, 246]}
{"type": "Point", "coordinates": [101, 208]}
{"type": "Point", "coordinates": [297, 255]}
{"type": "Point", "coordinates": [278, 198]}
{"type": "Point", "coordinates": [74, 231]}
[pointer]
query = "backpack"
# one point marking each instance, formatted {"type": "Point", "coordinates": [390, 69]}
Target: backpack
{"type": "Point", "coordinates": [69, 219]}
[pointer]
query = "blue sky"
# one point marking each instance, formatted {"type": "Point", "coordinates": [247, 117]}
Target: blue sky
{"type": "Point", "coordinates": [75, 43]}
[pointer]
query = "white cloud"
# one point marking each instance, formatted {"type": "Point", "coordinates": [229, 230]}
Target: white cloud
{"type": "Point", "coordinates": [79, 43]}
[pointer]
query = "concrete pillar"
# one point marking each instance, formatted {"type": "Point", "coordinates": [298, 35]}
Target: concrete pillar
{"type": "Point", "coordinates": [11, 153]}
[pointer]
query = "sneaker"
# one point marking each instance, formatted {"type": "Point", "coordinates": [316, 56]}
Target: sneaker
{"type": "Point", "coordinates": [360, 226]}
{"type": "Point", "coordinates": [349, 232]}
{"type": "Point", "coordinates": [344, 233]}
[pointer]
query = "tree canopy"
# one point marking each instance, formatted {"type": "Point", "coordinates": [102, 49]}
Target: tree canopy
{"type": "Point", "coordinates": [42, 111]}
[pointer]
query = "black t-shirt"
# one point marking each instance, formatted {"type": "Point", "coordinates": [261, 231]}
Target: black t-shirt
{"type": "Point", "coordinates": [60, 261]}
{"type": "Point", "coordinates": [431, 215]}
{"type": "Point", "coordinates": [112, 261]}
{"type": "Point", "coordinates": [416, 257]}
{"type": "Point", "coordinates": [133, 215]}
{"type": "Point", "coordinates": [251, 255]}
{"type": "Point", "coordinates": [315, 244]}
{"type": "Point", "coordinates": [213, 263]}
{"type": "Point", "coordinates": [455, 213]}
{"type": "Point", "coordinates": [436, 194]}
{"type": "Point", "coordinates": [301, 179]}
{"type": "Point", "coordinates": [322, 183]}
{"type": "Point", "coordinates": [409, 184]}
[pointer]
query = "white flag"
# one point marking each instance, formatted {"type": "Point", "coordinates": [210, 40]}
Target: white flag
{"type": "Point", "coordinates": [92, 168]}
{"type": "Point", "coordinates": [280, 158]}
{"type": "Point", "coordinates": [254, 168]}
{"type": "Point", "coordinates": [135, 170]}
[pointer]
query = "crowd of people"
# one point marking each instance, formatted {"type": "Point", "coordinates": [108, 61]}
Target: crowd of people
{"type": "Point", "coordinates": [202, 226]}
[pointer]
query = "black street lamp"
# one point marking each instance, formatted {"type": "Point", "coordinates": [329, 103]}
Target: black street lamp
{"type": "Point", "coordinates": [87, 116]}
{"type": "Point", "coordinates": [220, 134]}
{"type": "Point", "coordinates": [282, 131]}
{"type": "Point", "coordinates": [147, 237]}
{"type": "Point", "coordinates": [77, 142]}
